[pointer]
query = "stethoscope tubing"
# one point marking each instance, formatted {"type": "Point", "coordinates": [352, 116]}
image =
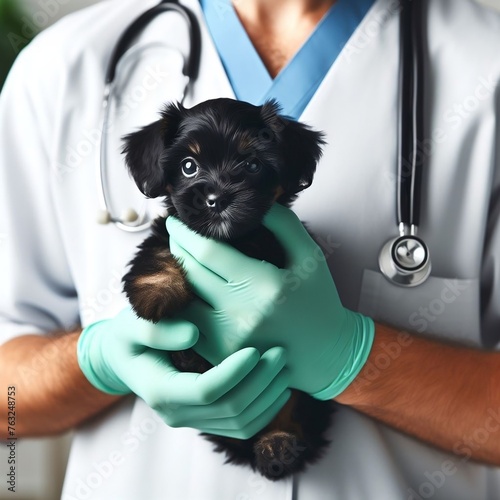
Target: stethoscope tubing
{"type": "Point", "coordinates": [411, 124]}
{"type": "Point", "coordinates": [192, 63]}
{"type": "Point", "coordinates": [139, 221]}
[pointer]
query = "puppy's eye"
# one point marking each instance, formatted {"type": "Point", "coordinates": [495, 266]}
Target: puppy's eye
{"type": "Point", "coordinates": [189, 167]}
{"type": "Point", "coordinates": [252, 166]}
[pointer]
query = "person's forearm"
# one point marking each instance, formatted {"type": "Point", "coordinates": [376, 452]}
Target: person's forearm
{"type": "Point", "coordinates": [446, 395]}
{"type": "Point", "coordinates": [51, 393]}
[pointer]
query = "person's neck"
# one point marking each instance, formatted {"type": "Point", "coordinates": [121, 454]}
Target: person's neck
{"type": "Point", "coordinates": [266, 10]}
{"type": "Point", "coordinates": [278, 28]}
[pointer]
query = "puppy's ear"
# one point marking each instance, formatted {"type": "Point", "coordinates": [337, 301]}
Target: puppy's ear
{"type": "Point", "coordinates": [145, 151]}
{"type": "Point", "coordinates": [302, 151]}
{"type": "Point", "coordinates": [300, 145]}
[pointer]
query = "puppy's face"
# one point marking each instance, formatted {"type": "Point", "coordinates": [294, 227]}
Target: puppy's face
{"type": "Point", "coordinates": [222, 163]}
{"type": "Point", "coordinates": [220, 178]}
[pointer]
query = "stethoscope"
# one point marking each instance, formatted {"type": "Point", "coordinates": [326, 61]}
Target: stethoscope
{"type": "Point", "coordinates": [131, 220]}
{"type": "Point", "coordinates": [403, 260]}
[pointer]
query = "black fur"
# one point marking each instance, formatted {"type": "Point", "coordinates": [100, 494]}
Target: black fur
{"type": "Point", "coordinates": [291, 452]}
{"type": "Point", "coordinates": [247, 158]}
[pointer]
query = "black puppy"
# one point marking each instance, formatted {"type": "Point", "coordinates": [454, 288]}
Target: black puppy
{"type": "Point", "coordinates": [220, 166]}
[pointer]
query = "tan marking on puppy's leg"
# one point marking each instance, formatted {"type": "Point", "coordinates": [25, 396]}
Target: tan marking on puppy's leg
{"type": "Point", "coordinates": [164, 291]}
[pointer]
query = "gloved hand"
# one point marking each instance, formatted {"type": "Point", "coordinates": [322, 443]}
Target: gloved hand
{"type": "Point", "coordinates": [237, 398]}
{"type": "Point", "coordinates": [247, 302]}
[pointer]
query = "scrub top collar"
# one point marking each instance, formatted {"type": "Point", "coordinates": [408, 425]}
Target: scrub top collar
{"type": "Point", "coordinates": [298, 81]}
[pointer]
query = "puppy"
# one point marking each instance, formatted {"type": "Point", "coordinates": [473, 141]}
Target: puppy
{"type": "Point", "coordinates": [220, 166]}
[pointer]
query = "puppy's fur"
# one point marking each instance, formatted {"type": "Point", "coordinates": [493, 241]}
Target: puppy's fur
{"type": "Point", "coordinates": [220, 166]}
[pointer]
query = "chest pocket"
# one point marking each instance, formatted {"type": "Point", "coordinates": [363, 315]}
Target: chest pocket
{"type": "Point", "coordinates": [444, 307]}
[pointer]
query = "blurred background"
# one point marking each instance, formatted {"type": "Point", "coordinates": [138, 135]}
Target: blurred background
{"type": "Point", "coordinates": [20, 20]}
{"type": "Point", "coordinates": [42, 462]}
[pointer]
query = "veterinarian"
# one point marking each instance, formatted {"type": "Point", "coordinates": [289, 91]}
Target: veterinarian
{"type": "Point", "coordinates": [413, 368]}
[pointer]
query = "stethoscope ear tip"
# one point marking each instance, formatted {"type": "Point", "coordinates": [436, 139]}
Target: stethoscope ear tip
{"type": "Point", "coordinates": [103, 217]}
{"type": "Point", "coordinates": [129, 216]}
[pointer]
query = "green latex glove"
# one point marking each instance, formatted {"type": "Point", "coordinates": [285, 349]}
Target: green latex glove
{"type": "Point", "coordinates": [237, 398]}
{"type": "Point", "coordinates": [247, 302]}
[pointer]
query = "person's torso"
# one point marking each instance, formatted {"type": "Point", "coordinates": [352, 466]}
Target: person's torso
{"type": "Point", "coordinates": [128, 452]}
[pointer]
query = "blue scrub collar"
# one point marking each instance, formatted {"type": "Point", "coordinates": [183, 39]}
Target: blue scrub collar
{"type": "Point", "coordinates": [298, 81]}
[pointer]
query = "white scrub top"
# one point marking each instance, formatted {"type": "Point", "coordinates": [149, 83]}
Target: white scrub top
{"type": "Point", "coordinates": [59, 267]}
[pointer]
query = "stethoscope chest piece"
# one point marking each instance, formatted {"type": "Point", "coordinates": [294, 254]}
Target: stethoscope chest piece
{"type": "Point", "coordinates": [405, 261]}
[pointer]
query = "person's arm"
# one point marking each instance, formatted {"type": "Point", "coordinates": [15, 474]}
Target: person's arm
{"type": "Point", "coordinates": [48, 380]}
{"type": "Point", "coordinates": [444, 394]}
{"type": "Point", "coordinates": [37, 292]}
{"type": "Point", "coordinates": [51, 393]}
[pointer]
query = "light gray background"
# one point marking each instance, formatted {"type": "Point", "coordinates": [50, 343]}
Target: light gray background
{"type": "Point", "coordinates": [42, 461]}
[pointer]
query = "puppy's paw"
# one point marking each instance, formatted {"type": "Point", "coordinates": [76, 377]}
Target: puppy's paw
{"type": "Point", "coordinates": [279, 454]}
{"type": "Point", "coordinates": [157, 291]}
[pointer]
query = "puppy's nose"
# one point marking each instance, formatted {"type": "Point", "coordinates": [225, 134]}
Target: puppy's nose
{"type": "Point", "coordinates": [216, 202]}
